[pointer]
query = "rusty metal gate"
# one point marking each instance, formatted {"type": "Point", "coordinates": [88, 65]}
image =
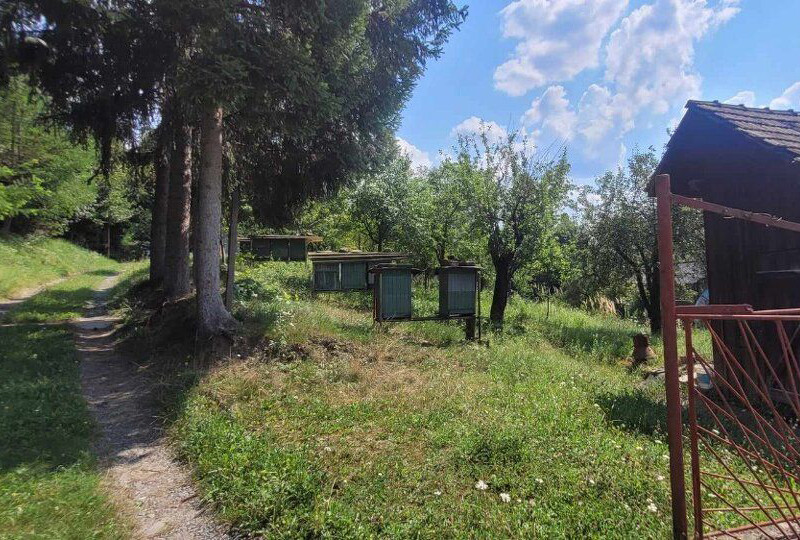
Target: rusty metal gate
{"type": "Point", "coordinates": [741, 400]}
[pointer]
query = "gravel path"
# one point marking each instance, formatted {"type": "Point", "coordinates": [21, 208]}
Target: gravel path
{"type": "Point", "coordinates": [149, 484]}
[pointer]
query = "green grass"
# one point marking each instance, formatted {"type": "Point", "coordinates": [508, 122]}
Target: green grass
{"type": "Point", "coordinates": [34, 261]}
{"type": "Point", "coordinates": [66, 300]}
{"type": "Point", "coordinates": [49, 486]}
{"type": "Point", "coordinates": [336, 428]}
{"type": "Point", "coordinates": [49, 482]}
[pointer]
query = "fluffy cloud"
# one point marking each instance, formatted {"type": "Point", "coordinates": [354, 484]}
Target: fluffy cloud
{"type": "Point", "coordinates": [745, 97]}
{"type": "Point", "coordinates": [418, 157]}
{"type": "Point", "coordinates": [552, 112]}
{"type": "Point", "coordinates": [474, 125]}
{"type": "Point", "coordinates": [649, 58]}
{"type": "Point", "coordinates": [558, 40]}
{"type": "Point", "coordinates": [648, 70]}
{"type": "Point", "coordinates": [595, 124]}
{"type": "Point", "coordinates": [790, 99]}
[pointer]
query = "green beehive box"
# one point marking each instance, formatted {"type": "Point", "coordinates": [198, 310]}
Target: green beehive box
{"type": "Point", "coordinates": [354, 275]}
{"type": "Point", "coordinates": [394, 292]}
{"type": "Point", "coordinates": [458, 286]}
{"type": "Point", "coordinates": [326, 277]}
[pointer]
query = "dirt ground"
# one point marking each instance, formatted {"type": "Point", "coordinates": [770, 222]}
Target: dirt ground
{"type": "Point", "coordinates": [150, 486]}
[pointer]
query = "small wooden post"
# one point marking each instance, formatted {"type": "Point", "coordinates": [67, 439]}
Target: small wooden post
{"type": "Point", "coordinates": [470, 329]}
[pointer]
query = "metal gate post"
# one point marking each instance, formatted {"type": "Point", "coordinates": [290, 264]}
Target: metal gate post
{"type": "Point", "coordinates": [669, 335]}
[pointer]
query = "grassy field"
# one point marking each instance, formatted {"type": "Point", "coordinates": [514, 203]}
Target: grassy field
{"type": "Point", "coordinates": [337, 429]}
{"type": "Point", "coordinates": [30, 262]}
{"type": "Point", "coordinates": [49, 483]}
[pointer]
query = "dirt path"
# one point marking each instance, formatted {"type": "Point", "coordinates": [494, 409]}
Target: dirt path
{"type": "Point", "coordinates": [141, 471]}
{"type": "Point", "coordinates": [7, 304]}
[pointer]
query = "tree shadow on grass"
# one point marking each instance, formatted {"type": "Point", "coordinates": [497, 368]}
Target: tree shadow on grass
{"type": "Point", "coordinates": [43, 418]}
{"type": "Point", "coordinates": [102, 272]}
{"type": "Point", "coordinates": [50, 306]}
{"type": "Point", "coordinates": [634, 410]}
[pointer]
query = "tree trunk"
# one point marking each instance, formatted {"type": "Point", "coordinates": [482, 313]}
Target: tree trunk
{"type": "Point", "coordinates": [158, 227]}
{"type": "Point", "coordinates": [233, 248]}
{"type": "Point", "coordinates": [502, 283]}
{"type": "Point", "coordinates": [7, 226]}
{"type": "Point", "coordinates": [212, 317]}
{"type": "Point", "coordinates": [177, 282]}
{"type": "Point", "coordinates": [108, 240]}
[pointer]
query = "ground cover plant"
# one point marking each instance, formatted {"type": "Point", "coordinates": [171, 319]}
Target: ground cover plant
{"type": "Point", "coordinates": [50, 486]}
{"type": "Point", "coordinates": [66, 300]}
{"type": "Point", "coordinates": [37, 260]}
{"type": "Point", "coordinates": [338, 428]}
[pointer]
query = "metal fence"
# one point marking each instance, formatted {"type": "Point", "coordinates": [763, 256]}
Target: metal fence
{"type": "Point", "coordinates": [742, 403]}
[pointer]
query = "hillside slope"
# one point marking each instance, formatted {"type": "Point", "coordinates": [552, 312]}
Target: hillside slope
{"type": "Point", "coordinates": [34, 261]}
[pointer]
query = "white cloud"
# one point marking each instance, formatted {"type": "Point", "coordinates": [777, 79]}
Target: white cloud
{"type": "Point", "coordinates": [418, 157]}
{"type": "Point", "coordinates": [790, 99]}
{"type": "Point", "coordinates": [595, 125]}
{"type": "Point", "coordinates": [649, 58]}
{"type": "Point", "coordinates": [552, 111]}
{"type": "Point", "coordinates": [745, 97]}
{"type": "Point", "coordinates": [474, 125]}
{"type": "Point", "coordinates": [558, 40]}
{"type": "Point", "coordinates": [649, 70]}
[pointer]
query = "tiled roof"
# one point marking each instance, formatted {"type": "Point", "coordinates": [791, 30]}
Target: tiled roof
{"type": "Point", "coordinates": [778, 129]}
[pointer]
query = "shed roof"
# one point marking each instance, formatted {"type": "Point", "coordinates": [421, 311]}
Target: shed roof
{"type": "Point", "coordinates": [339, 256]}
{"type": "Point", "coordinates": [776, 128]}
{"type": "Point", "coordinates": [306, 237]}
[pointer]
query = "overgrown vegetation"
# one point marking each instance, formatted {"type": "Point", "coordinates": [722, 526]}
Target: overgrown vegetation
{"type": "Point", "coordinates": [49, 484]}
{"type": "Point", "coordinates": [34, 261]}
{"type": "Point", "coordinates": [333, 427]}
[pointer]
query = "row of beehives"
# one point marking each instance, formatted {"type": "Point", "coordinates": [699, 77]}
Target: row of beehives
{"type": "Point", "coordinates": [392, 283]}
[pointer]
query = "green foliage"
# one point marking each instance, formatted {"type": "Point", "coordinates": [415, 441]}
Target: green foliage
{"type": "Point", "coordinates": [618, 236]}
{"type": "Point", "coordinates": [34, 261]}
{"type": "Point", "coordinates": [44, 177]}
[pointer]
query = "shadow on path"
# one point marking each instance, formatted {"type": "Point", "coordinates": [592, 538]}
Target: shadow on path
{"type": "Point", "coordinates": [141, 469]}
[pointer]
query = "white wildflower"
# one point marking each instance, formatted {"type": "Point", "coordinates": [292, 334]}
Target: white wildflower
{"type": "Point", "coordinates": [652, 507]}
{"type": "Point", "coordinates": [660, 477]}
{"type": "Point", "coordinates": [481, 485]}
{"type": "Point", "coordinates": [437, 492]}
{"type": "Point", "coordinates": [328, 449]}
{"type": "Point", "coordinates": [505, 497]}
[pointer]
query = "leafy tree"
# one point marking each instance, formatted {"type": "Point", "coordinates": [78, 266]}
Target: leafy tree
{"type": "Point", "coordinates": [377, 205]}
{"type": "Point", "coordinates": [43, 176]}
{"type": "Point", "coordinates": [619, 230]}
{"type": "Point", "coordinates": [515, 198]}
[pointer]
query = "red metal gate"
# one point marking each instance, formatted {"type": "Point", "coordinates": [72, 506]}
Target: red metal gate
{"type": "Point", "coordinates": [742, 398]}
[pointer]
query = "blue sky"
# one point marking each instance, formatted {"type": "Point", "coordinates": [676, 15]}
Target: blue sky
{"type": "Point", "coordinates": [601, 76]}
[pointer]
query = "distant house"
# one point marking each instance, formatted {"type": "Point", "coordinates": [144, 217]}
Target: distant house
{"type": "Point", "coordinates": [279, 247]}
{"type": "Point", "coordinates": [748, 159]}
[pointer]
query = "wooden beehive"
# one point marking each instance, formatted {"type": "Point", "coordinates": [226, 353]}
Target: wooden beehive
{"type": "Point", "coordinates": [458, 288]}
{"type": "Point", "coordinates": [351, 269]}
{"type": "Point", "coordinates": [393, 292]}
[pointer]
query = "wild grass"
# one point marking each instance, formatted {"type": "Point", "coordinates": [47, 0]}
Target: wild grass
{"type": "Point", "coordinates": [27, 262]}
{"type": "Point", "coordinates": [339, 428]}
{"type": "Point", "coordinates": [66, 300]}
{"type": "Point", "coordinates": [49, 485]}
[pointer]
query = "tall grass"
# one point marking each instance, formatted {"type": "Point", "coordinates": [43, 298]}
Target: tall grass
{"type": "Point", "coordinates": [33, 261]}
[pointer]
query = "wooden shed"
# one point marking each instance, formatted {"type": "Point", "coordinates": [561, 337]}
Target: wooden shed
{"type": "Point", "coordinates": [749, 159]}
{"type": "Point", "coordinates": [347, 270]}
{"type": "Point", "coordinates": [279, 247]}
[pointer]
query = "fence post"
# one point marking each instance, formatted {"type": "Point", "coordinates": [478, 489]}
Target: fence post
{"type": "Point", "coordinates": [669, 335]}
